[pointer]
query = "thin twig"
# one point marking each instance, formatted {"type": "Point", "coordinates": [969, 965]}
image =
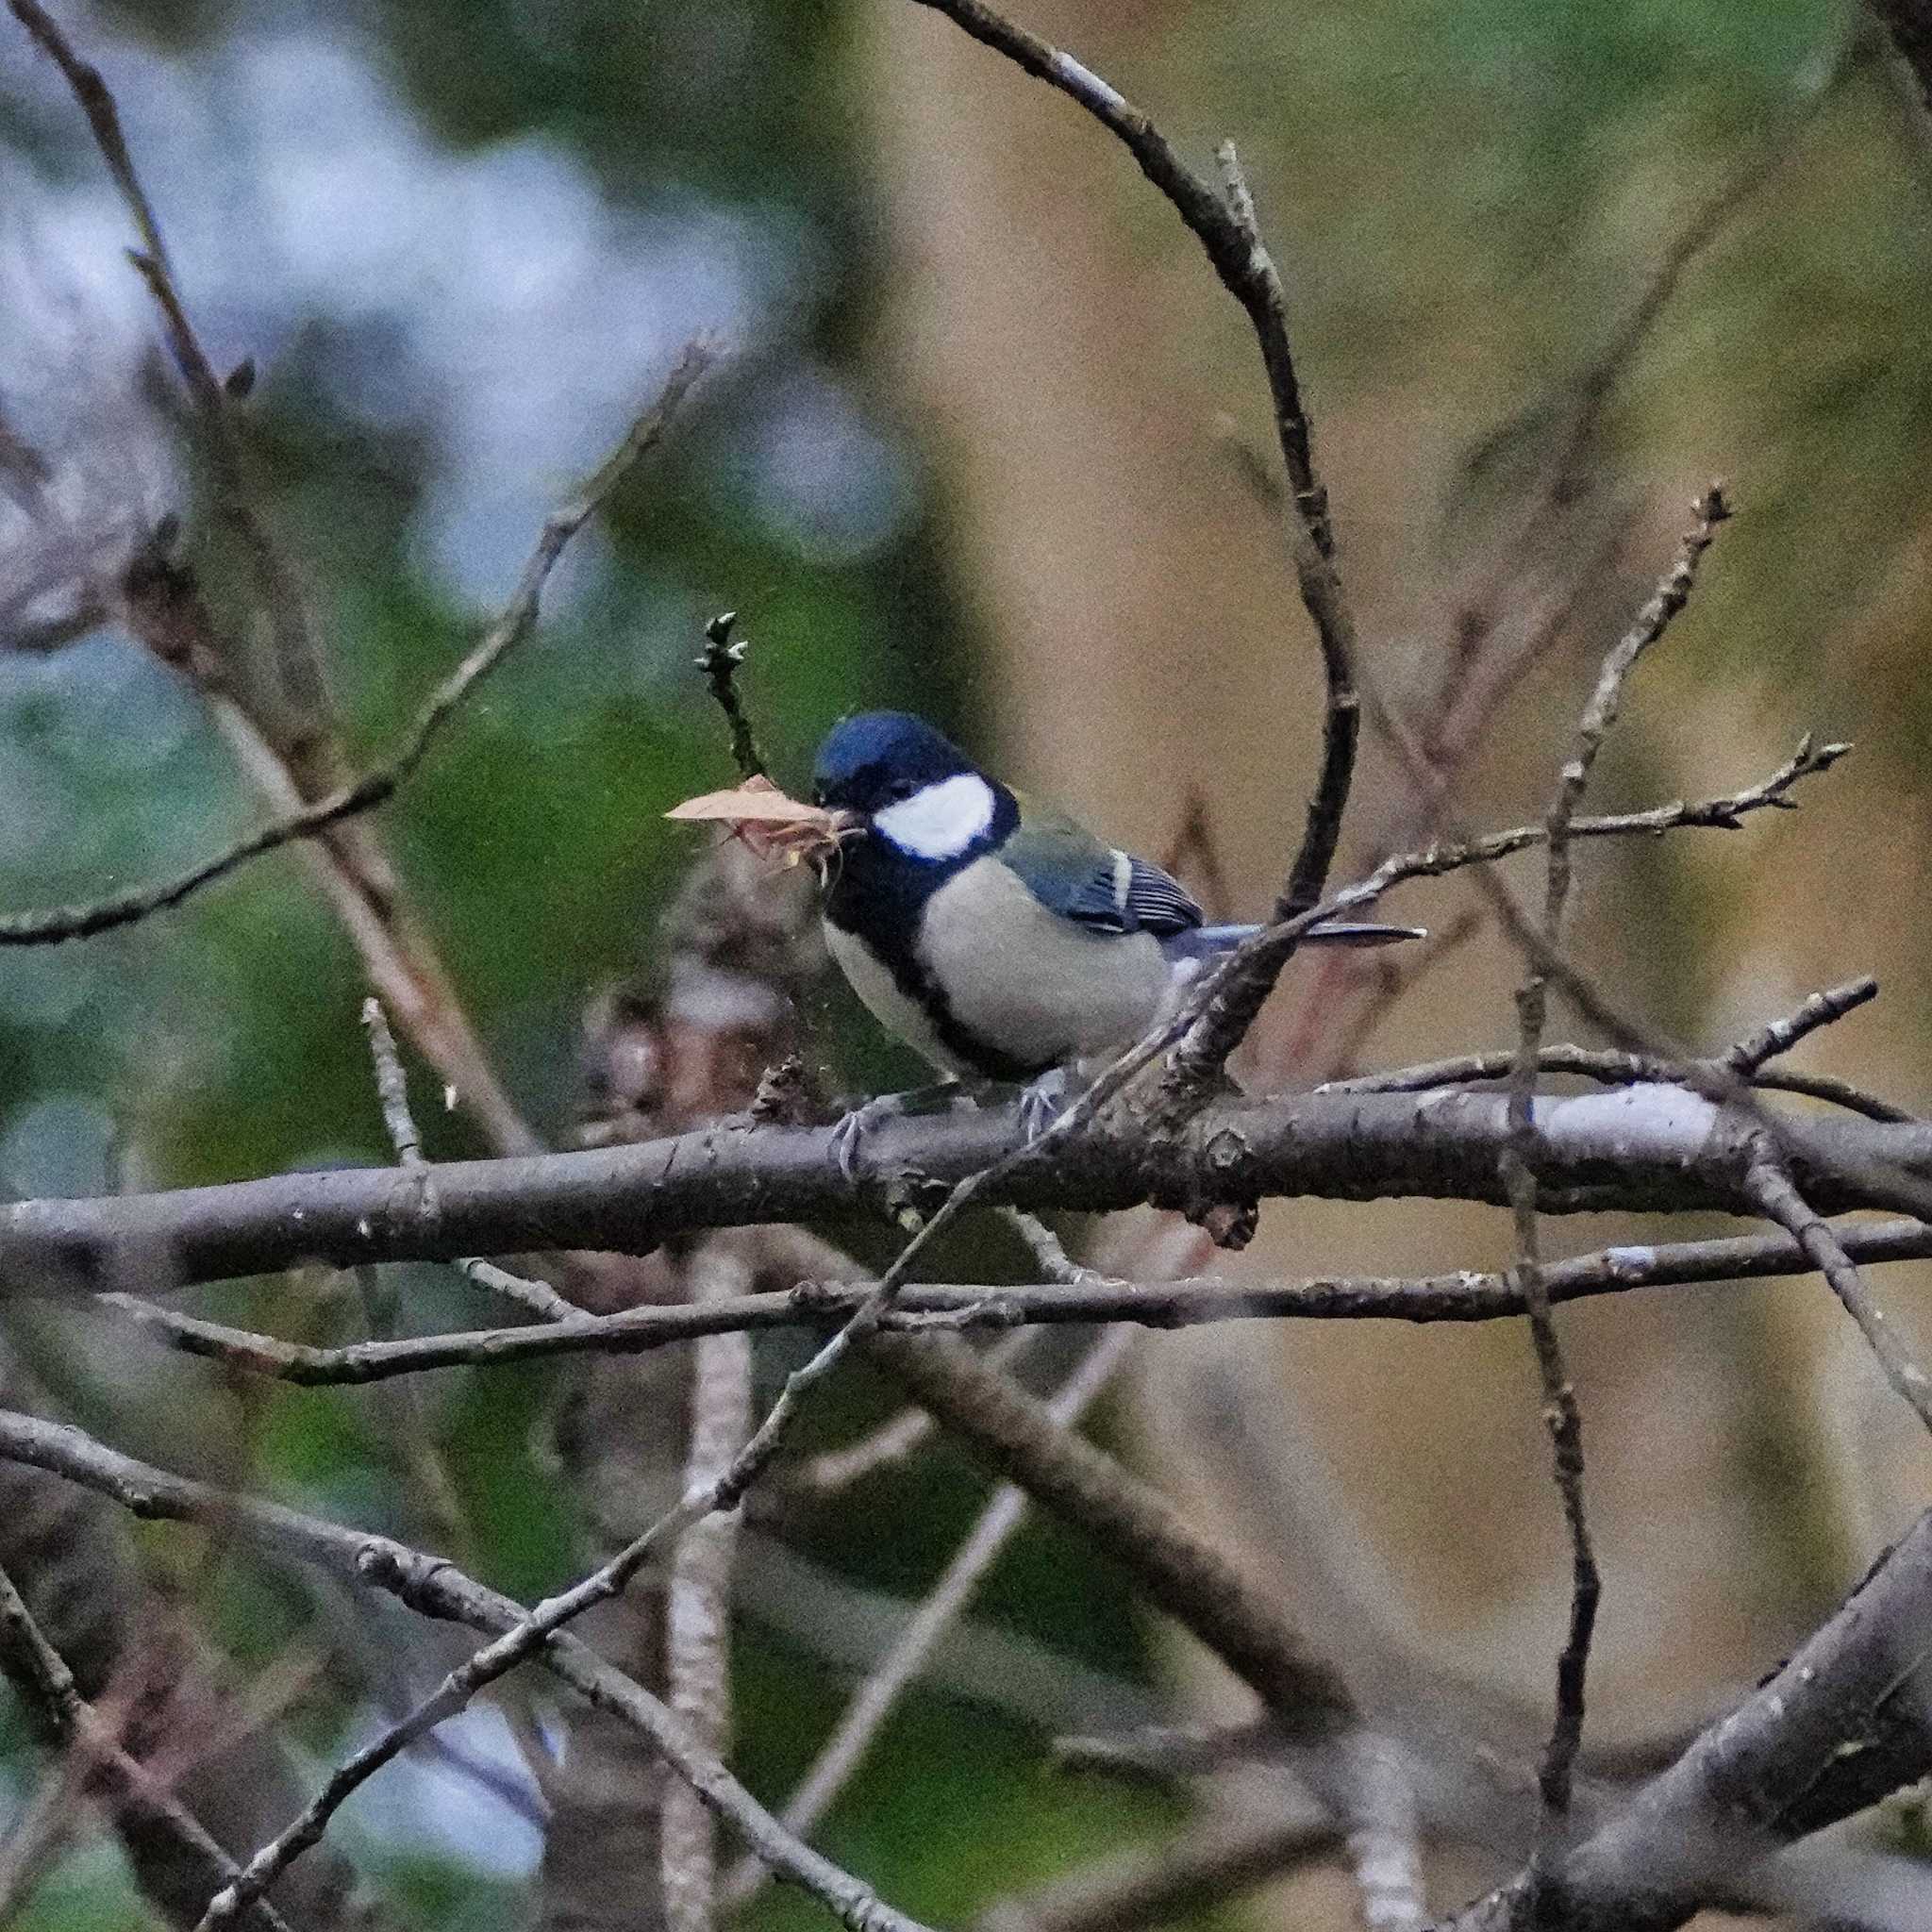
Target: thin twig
{"type": "Point", "coordinates": [900, 1436]}
{"type": "Point", "coordinates": [1561, 1412]}
{"type": "Point", "coordinates": [1186, 1874]}
{"type": "Point", "coordinates": [1836, 1728]}
{"type": "Point", "coordinates": [277, 724]}
{"type": "Point", "coordinates": [392, 1094]}
{"type": "Point", "coordinates": [1614, 1067]}
{"type": "Point", "coordinates": [1877, 1182]}
{"type": "Point", "coordinates": [1315, 571]}
{"type": "Point", "coordinates": [59, 923]}
{"type": "Point", "coordinates": [34, 1663]}
{"type": "Point", "coordinates": [1211, 1023]}
{"type": "Point", "coordinates": [542, 1301]}
{"type": "Point", "coordinates": [721, 661]}
{"type": "Point", "coordinates": [1768, 1182]}
{"type": "Point", "coordinates": [1180, 1571]}
{"type": "Point", "coordinates": [484, 1667]}
{"type": "Point", "coordinates": [534, 1631]}
{"type": "Point", "coordinates": [1473, 684]}
{"type": "Point", "coordinates": [1822, 1009]}
{"type": "Point", "coordinates": [1462, 1295]}
{"type": "Point", "coordinates": [298, 662]}
{"type": "Point", "coordinates": [1389, 977]}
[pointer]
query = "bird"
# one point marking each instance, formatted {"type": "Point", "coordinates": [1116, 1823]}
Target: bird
{"type": "Point", "coordinates": [997, 937]}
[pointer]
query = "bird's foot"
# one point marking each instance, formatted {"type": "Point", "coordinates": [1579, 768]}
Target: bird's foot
{"type": "Point", "coordinates": [1042, 1102]}
{"type": "Point", "coordinates": [849, 1131]}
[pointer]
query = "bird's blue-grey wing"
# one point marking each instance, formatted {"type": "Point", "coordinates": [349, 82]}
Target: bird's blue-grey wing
{"type": "Point", "coordinates": [1071, 873]}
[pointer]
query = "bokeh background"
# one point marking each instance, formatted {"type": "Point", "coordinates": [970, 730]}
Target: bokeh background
{"type": "Point", "coordinates": [982, 439]}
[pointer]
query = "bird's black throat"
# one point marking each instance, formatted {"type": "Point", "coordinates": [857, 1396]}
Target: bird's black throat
{"type": "Point", "coordinates": [878, 895]}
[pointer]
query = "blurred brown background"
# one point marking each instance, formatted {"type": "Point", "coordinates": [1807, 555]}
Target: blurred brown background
{"type": "Point", "coordinates": [1546, 279]}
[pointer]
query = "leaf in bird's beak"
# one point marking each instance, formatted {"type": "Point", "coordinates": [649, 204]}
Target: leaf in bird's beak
{"type": "Point", "coordinates": [769, 820]}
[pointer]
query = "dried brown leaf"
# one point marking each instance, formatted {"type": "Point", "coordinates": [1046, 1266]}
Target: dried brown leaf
{"type": "Point", "coordinates": [769, 820]}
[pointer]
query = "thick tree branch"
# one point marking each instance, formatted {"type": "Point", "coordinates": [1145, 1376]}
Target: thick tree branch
{"type": "Point", "coordinates": [1838, 1725]}
{"type": "Point", "coordinates": [1644, 1148]}
{"type": "Point", "coordinates": [1139, 1528]}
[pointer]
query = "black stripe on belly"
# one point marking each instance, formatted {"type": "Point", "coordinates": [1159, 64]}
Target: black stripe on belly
{"type": "Point", "coordinates": [880, 899]}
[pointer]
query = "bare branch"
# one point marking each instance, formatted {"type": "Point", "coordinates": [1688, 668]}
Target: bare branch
{"type": "Point", "coordinates": [1768, 1182]}
{"type": "Point", "coordinates": [1834, 1729]}
{"type": "Point", "coordinates": [1226, 227]}
{"type": "Point", "coordinates": [1822, 1009]}
{"type": "Point", "coordinates": [1561, 1412]}
{"type": "Point", "coordinates": [515, 1646]}
{"type": "Point", "coordinates": [1214, 1018]}
{"type": "Point", "coordinates": [1615, 1068]}
{"type": "Point", "coordinates": [899, 1436]}
{"type": "Point", "coordinates": [1464, 1295]}
{"type": "Point", "coordinates": [392, 1094]}
{"type": "Point", "coordinates": [1389, 977]}
{"type": "Point", "coordinates": [1153, 1884]}
{"type": "Point", "coordinates": [1180, 1571]}
{"type": "Point", "coordinates": [519, 617]}
{"type": "Point", "coordinates": [437, 1587]}
{"type": "Point", "coordinates": [721, 660]}
{"type": "Point", "coordinates": [1648, 1148]}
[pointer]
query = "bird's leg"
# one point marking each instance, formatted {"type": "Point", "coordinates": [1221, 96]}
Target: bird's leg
{"type": "Point", "coordinates": [852, 1129]}
{"type": "Point", "coordinates": [1042, 1102]}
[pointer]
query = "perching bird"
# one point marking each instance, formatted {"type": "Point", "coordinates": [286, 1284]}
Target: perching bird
{"type": "Point", "coordinates": [1000, 940]}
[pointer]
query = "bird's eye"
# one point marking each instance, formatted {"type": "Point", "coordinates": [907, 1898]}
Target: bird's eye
{"type": "Point", "coordinates": [901, 789]}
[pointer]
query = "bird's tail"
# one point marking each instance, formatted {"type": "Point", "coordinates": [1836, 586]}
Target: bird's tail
{"type": "Point", "coordinates": [1203, 941]}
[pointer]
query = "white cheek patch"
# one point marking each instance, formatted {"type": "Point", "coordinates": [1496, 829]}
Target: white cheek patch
{"type": "Point", "coordinates": [940, 821]}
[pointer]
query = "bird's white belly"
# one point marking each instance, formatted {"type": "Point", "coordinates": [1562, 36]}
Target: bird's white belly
{"type": "Point", "coordinates": [1037, 986]}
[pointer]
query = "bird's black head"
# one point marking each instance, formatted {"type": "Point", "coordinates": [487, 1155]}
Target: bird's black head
{"type": "Point", "coordinates": [881, 759]}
